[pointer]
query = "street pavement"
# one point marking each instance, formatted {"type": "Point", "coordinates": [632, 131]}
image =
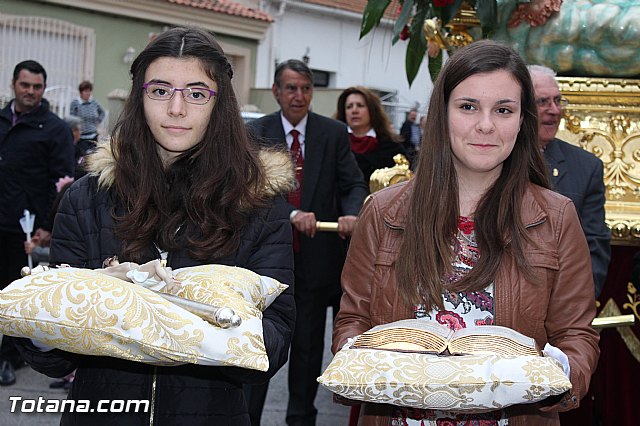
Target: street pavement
{"type": "Point", "coordinates": [31, 385]}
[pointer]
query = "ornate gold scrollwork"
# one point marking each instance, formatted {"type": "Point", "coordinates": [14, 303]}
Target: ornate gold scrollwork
{"type": "Point", "coordinates": [603, 117]}
{"type": "Point", "coordinates": [381, 178]}
{"type": "Point", "coordinates": [461, 30]}
{"type": "Point", "coordinates": [634, 300]}
{"type": "Point", "coordinates": [611, 309]}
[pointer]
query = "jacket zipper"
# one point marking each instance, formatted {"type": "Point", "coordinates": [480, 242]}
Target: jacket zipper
{"type": "Point", "coordinates": [164, 259]}
{"type": "Point", "coordinates": [394, 227]}
{"type": "Point", "coordinates": [153, 395]}
{"type": "Point", "coordinates": [530, 225]}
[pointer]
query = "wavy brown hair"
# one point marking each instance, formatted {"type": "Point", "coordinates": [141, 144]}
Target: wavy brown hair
{"type": "Point", "coordinates": [209, 191]}
{"type": "Point", "coordinates": [379, 119]}
{"type": "Point", "coordinates": [427, 249]}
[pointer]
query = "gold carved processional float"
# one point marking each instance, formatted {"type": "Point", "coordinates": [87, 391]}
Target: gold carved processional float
{"type": "Point", "coordinates": [603, 117]}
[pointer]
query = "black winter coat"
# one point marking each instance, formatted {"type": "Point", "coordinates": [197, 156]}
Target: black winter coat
{"type": "Point", "coordinates": [189, 395]}
{"type": "Point", "coordinates": [379, 158]}
{"type": "Point", "coordinates": [34, 154]}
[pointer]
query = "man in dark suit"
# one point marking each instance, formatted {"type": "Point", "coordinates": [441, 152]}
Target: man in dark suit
{"type": "Point", "coordinates": [411, 135]}
{"type": "Point", "coordinates": [574, 172]}
{"type": "Point", "coordinates": [332, 189]}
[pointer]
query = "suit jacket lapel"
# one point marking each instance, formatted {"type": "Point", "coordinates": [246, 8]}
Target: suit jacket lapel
{"type": "Point", "coordinates": [556, 163]}
{"type": "Point", "coordinates": [314, 149]}
{"type": "Point", "coordinates": [274, 130]}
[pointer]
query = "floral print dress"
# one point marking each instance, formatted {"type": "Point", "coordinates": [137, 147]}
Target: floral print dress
{"type": "Point", "coordinates": [460, 310]}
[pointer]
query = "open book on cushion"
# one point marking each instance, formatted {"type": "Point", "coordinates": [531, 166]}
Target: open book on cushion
{"type": "Point", "coordinates": [418, 335]}
{"type": "Point", "coordinates": [401, 363]}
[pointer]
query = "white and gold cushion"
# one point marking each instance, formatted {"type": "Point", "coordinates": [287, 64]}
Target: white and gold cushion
{"type": "Point", "coordinates": [87, 312]}
{"type": "Point", "coordinates": [217, 284]}
{"type": "Point", "coordinates": [451, 383]}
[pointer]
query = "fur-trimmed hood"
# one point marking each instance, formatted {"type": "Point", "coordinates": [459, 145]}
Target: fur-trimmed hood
{"type": "Point", "coordinates": [277, 165]}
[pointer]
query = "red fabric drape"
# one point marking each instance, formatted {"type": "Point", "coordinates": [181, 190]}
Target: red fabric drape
{"type": "Point", "coordinates": [613, 394]}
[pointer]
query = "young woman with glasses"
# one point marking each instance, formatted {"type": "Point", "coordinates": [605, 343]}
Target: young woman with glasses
{"type": "Point", "coordinates": [180, 181]}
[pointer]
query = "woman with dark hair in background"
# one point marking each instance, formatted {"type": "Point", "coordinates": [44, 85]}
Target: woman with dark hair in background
{"type": "Point", "coordinates": [373, 140]}
{"type": "Point", "coordinates": [180, 181]}
{"type": "Point", "coordinates": [476, 238]}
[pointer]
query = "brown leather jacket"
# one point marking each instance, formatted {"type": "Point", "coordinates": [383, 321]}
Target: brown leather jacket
{"type": "Point", "coordinates": [559, 310]}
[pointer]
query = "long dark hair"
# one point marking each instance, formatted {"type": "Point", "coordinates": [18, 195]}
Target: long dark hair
{"type": "Point", "coordinates": [379, 120]}
{"type": "Point", "coordinates": [208, 191]}
{"type": "Point", "coordinates": [427, 250]}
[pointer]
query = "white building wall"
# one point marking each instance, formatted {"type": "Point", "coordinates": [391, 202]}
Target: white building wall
{"type": "Point", "coordinates": [331, 39]}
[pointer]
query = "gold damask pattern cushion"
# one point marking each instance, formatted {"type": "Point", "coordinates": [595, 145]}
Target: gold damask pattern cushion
{"type": "Point", "coordinates": [220, 285]}
{"type": "Point", "coordinates": [451, 383]}
{"type": "Point", "coordinates": [86, 312]}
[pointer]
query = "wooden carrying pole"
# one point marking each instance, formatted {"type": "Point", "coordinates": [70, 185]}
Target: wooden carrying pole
{"type": "Point", "coordinates": [327, 226]}
{"type": "Point", "coordinates": [613, 321]}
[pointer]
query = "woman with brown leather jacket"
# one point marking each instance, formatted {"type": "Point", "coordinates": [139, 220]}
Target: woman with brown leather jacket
{"type": "Point", "coordinates": [476, 237]}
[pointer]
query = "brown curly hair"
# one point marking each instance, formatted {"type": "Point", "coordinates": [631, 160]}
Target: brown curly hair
{"type": "Point", "coordinates": [379, 120]}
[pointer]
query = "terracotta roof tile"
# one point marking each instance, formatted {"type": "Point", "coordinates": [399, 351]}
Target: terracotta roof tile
{"type": "Point", "coordinates": [226, 6]}
{"type": "Point", "coordinates": [354, 5]}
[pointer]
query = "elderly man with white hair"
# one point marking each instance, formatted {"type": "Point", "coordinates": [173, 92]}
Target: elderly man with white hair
{"type": "Point", "coordinates": [574, 172]}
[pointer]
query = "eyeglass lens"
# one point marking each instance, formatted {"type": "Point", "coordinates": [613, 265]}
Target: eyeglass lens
{"type": "Point", "coordinates": [557, 101]}
{"type": "Point", "coordinates": [193, 95]}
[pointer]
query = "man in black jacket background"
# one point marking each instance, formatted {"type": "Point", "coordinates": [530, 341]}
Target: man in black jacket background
{"type": "Point", "coordinates": [36, 150]}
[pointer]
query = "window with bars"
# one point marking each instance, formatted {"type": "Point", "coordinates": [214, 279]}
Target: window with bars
{"type": "Point", "coordinates": [65, 50]}
{"type": "Point", "coordinates": [321, 78]}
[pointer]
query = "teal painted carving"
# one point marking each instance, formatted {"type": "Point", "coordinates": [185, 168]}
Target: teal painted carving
{"type": "Point", "coordinates": [598, 38]}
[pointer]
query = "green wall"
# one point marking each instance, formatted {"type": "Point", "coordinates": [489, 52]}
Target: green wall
{"type": "Point", "coordinates": [113, 36]}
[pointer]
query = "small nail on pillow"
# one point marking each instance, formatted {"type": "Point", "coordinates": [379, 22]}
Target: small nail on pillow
{"type": "Point", "coordinates": [86, 312]}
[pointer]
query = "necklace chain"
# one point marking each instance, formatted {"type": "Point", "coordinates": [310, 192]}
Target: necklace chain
{"type": "Point", "coordinates": [164, 254]}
